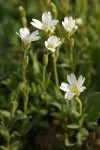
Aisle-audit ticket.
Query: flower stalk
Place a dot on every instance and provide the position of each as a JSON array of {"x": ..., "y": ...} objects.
[
  {"x": 47, "y": 24},
  {"x": 80, "y": 104},
  {"x": 45, "y": 63},
  {"x": 24, "y": 84},
  {"x": 55, "y": 72},
  {"x": 71, "y": 41}
]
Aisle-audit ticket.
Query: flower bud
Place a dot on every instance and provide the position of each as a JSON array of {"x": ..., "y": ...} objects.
[
  {"x": 72, "y": 42},
  {"x": 79, "y": 22},
  {"x": 45, "y": 59},
  {"x": 47, "y": 1},
  {"x": 24, "y": 21},
  {"x": 22, "y": 11},
  {"x": 53, "y": 9},
  {"x": 23, "y": 16}
]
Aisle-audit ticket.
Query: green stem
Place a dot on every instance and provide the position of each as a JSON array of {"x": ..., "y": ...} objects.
[
  {"x": 24, "y": 68},
  {"x": 43, "y": 78},
  {"x": 55, "y": 73},
  {"x": 45, "y": 63},
  {"x": 8, "y": 145},
  {"x": 25, "y": 90},
  {"x": 71, "y": 56},
  {"x": 80, "y": 104},
  {"x": 25, "y": 105},
  {"x": 71, "y": 42}
]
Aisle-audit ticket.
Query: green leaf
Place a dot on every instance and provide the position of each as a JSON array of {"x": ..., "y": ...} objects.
[
  {"x": 4, "y": 132},
  {"x": 85, "y": 71},
  {"x": 15, "y": 145},
  {"x": 73, "y": 126},
  {"x": 56, "y": 115},
  {"x": 92, "y": 107},
  {"x": 84, "y": 132},
  {"x": 68, "y": 143},
  {"x": 55, "y": 104},
  {"x": 1, "y": 116},
  {"x": 81, "y": 135},
  {"x": 48, "y": 79},
  {"x": 43, "y": 112},
  {"x": 79, "y": 138},
  {"x": 3, "y": 148},
  {"x": 5, "y": 114},
  {"x": 20, "y": 115},
  {"x": 75, "y": 113}
]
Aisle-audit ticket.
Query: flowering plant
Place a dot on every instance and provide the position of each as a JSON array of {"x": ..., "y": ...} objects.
[
  {"x": 38, "y": 108},
  {"x": 47, "y": 24},
  {"x": 26, "y": 37},
  {"x": 52, "y": 43},
  {"x": 74, "y": 88}
]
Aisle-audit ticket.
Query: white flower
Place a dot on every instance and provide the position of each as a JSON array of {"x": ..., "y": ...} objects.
[
  {"x": 52, "y": 43},
  {"x": 79, "y": 21},
  {"x": 26, "y": 37},
  {"x": 47, "y": 23},
  {"x": 69, "y": 24},
  {"x": 74, "y": 87}
]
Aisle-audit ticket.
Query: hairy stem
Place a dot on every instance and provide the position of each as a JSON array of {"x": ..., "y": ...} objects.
[
  {"x": 80, "y": 104},
  {"x": 55, "y": 73}
]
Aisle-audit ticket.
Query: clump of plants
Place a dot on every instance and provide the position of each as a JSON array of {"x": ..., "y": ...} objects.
[{"x": 51, "y": 102}]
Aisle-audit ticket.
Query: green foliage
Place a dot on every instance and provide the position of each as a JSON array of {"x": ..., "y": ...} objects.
[
  {"x": 29, "y": 106},
  {"x": 92, "y": 108}
]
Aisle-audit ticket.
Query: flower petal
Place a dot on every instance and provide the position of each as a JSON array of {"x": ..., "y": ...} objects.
[
  {"x": 80, "y": 81},
  {"x": 69, "y": 95},
  {"x": 24, "y": 31},
  {"x": 53, "y": 22},
  {"x": 58, "y": 42},
  {"x": 34, "y": 37},
  {"x": 52, "y": 49},
  {"x": 82, "y": 88},
  {"x": 36, "y": 23},
  {"x": 72, "y": 80},
  {"x": 46, "y": 17},
  {"x": 64, "y": 87},
  {"x": 18, "y": 34}
]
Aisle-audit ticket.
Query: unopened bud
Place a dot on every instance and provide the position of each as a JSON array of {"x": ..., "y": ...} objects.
[
  {"x": 24, "y": 21},
  {"x": 72, "y": 42},
  {"x": 53, "y": 9},
  {"x": 79, "y": 22},
  {"x": 23, "y": 16},
  {"x": 22, "y": 11},
  {"x": 47, "y": 1},
  {"x": 45, "y": 59}
]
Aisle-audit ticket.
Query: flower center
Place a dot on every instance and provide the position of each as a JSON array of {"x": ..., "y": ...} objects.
[
  {"x": 51, "y": 45},
  {"x": 76, "y": 90},
  {"x": 45, "y": 26}
]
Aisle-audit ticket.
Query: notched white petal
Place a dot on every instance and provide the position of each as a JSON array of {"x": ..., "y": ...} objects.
[
  {"x": 69, "y": 95},
  {"x": 36, "y": 23},
  {"x": 74, "y": 87}
]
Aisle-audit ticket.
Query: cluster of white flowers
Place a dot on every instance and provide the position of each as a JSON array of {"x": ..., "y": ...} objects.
[
  {"x": 74, "y": 88},
  {"x": 48, "y": 25}
]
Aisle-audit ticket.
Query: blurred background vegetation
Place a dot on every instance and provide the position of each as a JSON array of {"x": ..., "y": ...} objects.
[{"x": 86, "y": 50}]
